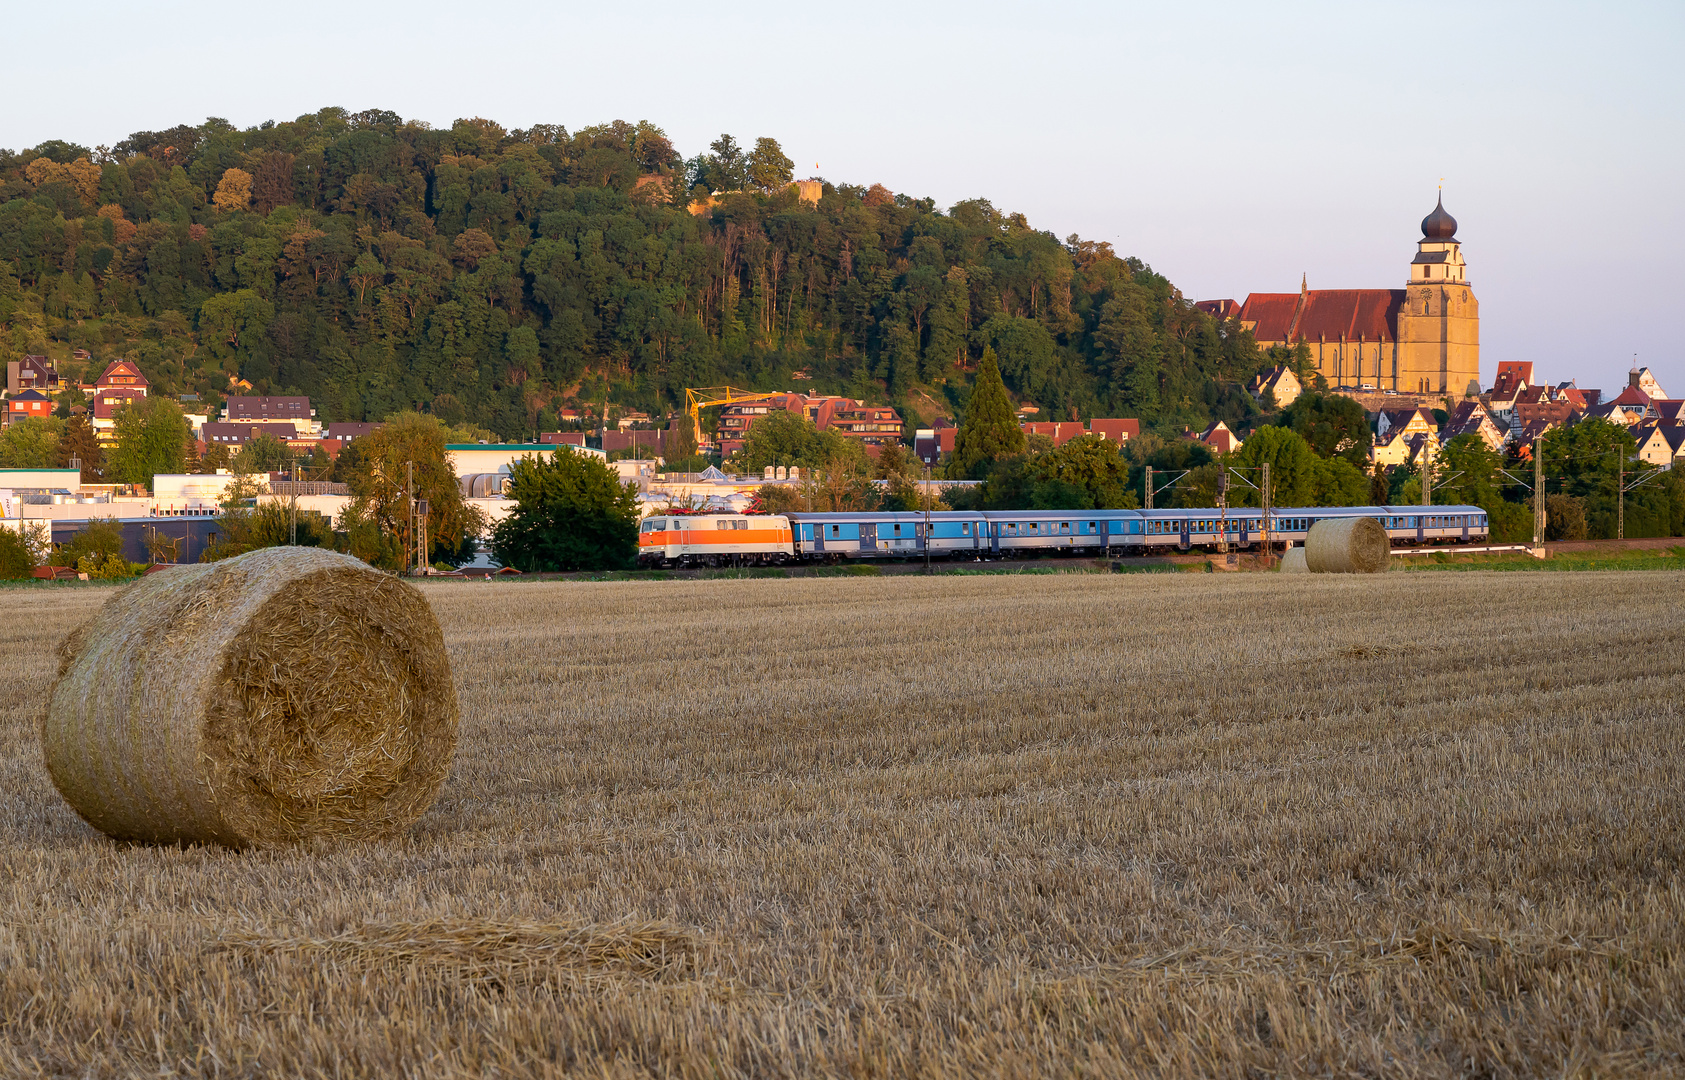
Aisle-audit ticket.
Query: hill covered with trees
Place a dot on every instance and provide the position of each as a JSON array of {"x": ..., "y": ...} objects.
[{"x": 490, "y": 276}]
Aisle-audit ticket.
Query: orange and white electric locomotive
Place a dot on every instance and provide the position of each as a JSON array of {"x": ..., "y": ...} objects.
[{"x": 715, "y": 540}]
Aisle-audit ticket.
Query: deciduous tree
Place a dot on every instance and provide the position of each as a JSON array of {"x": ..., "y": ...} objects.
[
  {"x": 150, "y": 433},
  {"x": 31, "y": 443},
  {"x": 571, "y": 513},
  {"x": 233, "y": 191},
  {"x": 1333, "y": 425},
  {"x": 377, "y": 465}
]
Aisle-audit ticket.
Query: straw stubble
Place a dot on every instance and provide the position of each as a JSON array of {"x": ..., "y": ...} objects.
[{"x": 1175, "y": 825}]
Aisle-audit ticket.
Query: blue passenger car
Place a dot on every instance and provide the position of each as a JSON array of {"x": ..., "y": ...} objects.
[
  {"x": 1086, "y": 532},
  {"x": 832, "y": 536}
]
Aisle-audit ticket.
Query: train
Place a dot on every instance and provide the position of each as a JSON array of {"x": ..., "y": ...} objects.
[{"x": 726, "y": 539}]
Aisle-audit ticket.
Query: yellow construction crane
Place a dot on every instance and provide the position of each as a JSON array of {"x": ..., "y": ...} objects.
[{"x": 698, "y": 399}]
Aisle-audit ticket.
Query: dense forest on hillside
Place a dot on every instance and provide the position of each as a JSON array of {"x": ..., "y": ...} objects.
[{"x": 489, "y": 276}]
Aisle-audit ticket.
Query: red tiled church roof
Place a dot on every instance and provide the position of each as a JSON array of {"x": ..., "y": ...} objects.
[
  {"x": 1355, "y": 314},
  {"x": 1271, "y": 313},
  {"x": 1324, "y": 315}
]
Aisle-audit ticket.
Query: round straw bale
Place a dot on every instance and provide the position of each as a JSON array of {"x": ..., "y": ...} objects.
[
  {"x": 281, "y": 696},
  {"x": 1293, "y": 561},
  {"x": 1354, "y": 545}
]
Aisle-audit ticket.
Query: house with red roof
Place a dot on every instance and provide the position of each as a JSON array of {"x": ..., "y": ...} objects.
[
  {"x": 1061, "y": 433},
  {"x": 1634, "y": 402},
  {"x": 106, "y": 401},
  {"x": 1118, "y": 429},
  {"x": 121, "y": 375},
  {"x": 1513, "y": 377},
  {"x": 1218, "y": 437},
  {"x": 1527, "y": 417}
]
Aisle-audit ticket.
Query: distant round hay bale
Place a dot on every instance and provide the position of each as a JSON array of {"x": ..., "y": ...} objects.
[
  {"x": 1354, "y": 545},
  {"x": 1293, "y": 562},
  {"x": 281, "y": 696}
]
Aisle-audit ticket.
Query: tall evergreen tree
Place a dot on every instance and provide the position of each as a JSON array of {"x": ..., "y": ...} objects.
[
  {"x": 80, "y": 443},
  {"x": 990, "y": 430}
]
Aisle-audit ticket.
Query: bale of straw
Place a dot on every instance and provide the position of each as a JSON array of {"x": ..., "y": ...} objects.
[
  {"x": 1293, "y": 562},
  {"x": 282, "y": 696},
  {"x": 1354, "y": 545}
]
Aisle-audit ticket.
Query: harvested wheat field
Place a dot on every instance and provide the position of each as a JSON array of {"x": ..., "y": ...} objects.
[{"x": 1414, "y": 825}]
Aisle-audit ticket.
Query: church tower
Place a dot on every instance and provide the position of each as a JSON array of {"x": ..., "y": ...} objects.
[{"x": 1439, "y": 319}]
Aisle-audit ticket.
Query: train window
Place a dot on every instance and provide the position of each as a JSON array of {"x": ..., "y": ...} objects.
[
  {"x": 744, "y": 524},
  {"x": 897, "y": 530},
  {"x": 1064, "y": 527},
  {"x": 836, "y": 530},
  {"x": 965, "y": 528}
]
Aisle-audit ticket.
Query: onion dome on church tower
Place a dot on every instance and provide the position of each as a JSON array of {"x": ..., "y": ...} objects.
[{"x": 1439, "y": 225}]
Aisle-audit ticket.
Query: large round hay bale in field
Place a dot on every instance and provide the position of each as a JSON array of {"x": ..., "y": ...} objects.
[
  {"x": 1354, "y": 545},
  {"x": 284, "y": 695},
  {"x": 1293, "y": 562}
]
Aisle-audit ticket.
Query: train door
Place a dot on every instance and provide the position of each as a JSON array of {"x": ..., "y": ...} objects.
[
  {"x": 1465, "y": 518},
  {"x": 1184, "y": 542},
  {"x": 817, "y": 536},
  {"x": 869, "y": 537},
  {"x": 1421, "y": 527}
]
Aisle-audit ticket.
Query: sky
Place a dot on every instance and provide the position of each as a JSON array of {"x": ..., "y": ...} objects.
[{"x": 1234, "y": 147}]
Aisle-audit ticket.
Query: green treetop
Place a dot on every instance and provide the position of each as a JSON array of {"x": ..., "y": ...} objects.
[
  {"x": 151, "y": 433},
  {"x": 1335, "y": 426},
  {"x": 571, "y": 513}
]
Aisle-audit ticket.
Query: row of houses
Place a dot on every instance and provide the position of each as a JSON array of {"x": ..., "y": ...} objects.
[
  {"x": 33, "y": 385},
  {"x": 1517, "y": 411},
  {"x": 871, "y": 425}
]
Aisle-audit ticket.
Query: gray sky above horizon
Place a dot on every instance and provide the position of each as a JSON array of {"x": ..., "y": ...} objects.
[{"x": 1232, "y": 146}]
